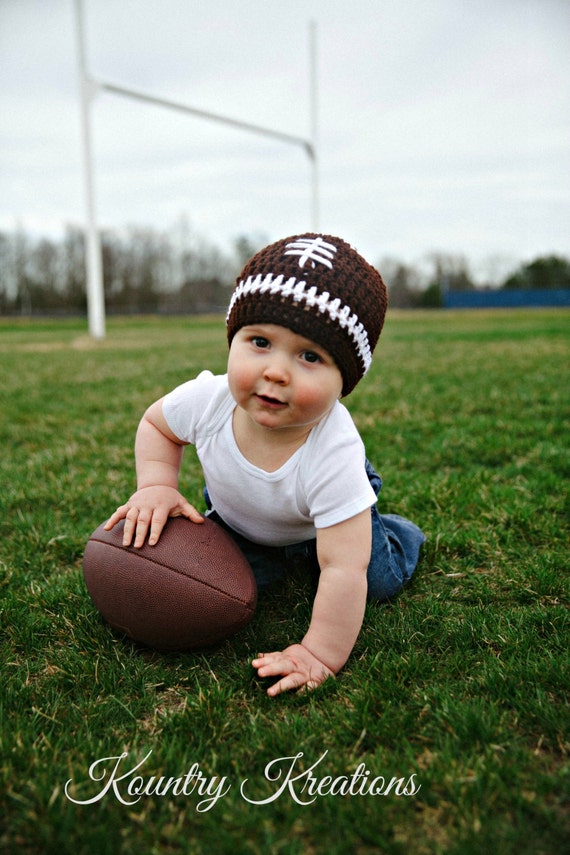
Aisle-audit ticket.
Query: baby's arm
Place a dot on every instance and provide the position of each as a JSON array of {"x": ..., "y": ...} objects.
[
  {"x": 158, "y": 454},
  {"x": 344, "y": 553}
]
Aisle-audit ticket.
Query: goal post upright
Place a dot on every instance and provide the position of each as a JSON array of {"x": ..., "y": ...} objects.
[
  {"x": 93, "y": 256},
  {"x": 88, "y": 89},
  {"x": 313, "y": 107}
]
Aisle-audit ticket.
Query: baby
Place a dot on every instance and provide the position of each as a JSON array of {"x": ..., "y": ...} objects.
[{"x": 285, "y": 468}]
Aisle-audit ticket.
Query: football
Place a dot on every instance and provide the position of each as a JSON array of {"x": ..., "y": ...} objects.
[{"x": 191, "y": 590}]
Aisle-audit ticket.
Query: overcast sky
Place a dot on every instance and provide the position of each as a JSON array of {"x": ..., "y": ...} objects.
[{"x": 443, "y": 125}]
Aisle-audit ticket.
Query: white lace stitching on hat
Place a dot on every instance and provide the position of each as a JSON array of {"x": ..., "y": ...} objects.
[{"x": 316, "y": 250}]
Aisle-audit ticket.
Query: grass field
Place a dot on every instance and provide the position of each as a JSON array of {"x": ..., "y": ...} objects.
[{"x": 461, "y": 682}]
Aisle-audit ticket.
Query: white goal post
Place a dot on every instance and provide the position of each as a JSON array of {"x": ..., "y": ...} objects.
[{"x": 89, "y": 88}]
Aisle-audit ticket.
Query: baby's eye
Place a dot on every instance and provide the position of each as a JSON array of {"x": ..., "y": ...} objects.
[
  {"x": 260, "y": 341},
  {"x": 310, "y": 356}
]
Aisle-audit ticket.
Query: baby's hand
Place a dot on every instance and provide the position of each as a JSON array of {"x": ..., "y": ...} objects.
[
  {"x": 297, "y": 665},
  {"x": 147, "y": 512}
]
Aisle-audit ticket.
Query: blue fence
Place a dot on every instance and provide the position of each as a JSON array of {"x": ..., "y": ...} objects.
[{"x": 515, "y": 298}]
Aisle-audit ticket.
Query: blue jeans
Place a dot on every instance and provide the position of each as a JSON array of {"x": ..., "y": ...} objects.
[{"x": 396, "y": 544}]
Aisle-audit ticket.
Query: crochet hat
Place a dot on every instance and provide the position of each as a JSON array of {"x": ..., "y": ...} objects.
[{"x": 319, "y": 287}]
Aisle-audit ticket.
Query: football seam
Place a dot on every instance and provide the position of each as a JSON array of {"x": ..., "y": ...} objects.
[{"x": 174, "y": 570}]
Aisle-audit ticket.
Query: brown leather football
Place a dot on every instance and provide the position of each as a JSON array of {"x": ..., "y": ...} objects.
[{"x": 191, "y": 590}]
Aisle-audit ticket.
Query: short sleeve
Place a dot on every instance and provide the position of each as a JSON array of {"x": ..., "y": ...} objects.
[
  {"x": 337, "y": 488},
  {"x": 197, "y": 406}
]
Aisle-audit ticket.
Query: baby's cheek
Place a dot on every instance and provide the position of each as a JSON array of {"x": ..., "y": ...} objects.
[
  {"x": 239, "y": 381},
  {"x": 312, "y": 399}
]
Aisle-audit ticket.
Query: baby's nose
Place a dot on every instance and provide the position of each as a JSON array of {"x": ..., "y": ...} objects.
[{"x": 276, "y": 370}]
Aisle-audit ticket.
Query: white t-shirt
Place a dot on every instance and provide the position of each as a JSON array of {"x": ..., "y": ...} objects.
[{"x": 323, "y": 483}]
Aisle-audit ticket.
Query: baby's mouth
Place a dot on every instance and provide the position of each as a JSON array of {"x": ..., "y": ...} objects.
[{"x": 271, "y": 402}]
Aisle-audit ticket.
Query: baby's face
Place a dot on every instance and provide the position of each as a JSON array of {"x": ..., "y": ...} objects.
[{"x": 281, "y": 379}]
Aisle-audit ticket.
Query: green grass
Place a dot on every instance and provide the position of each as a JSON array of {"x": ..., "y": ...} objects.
[{"x": 461, "y": 681}]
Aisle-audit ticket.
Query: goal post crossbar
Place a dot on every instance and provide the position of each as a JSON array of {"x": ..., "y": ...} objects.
[{"x": 205, "y": 114}]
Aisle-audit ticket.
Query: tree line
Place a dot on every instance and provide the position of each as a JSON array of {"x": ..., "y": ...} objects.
[
  {"x": 144, "y": 271},
  {"x": 148, "y": 271}
]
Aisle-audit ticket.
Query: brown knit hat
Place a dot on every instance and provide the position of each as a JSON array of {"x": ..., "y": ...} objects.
[{"x": 319, "y": 287}]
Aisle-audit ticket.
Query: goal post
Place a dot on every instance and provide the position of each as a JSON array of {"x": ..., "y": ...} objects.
[{"x": 89, "y": 88}]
